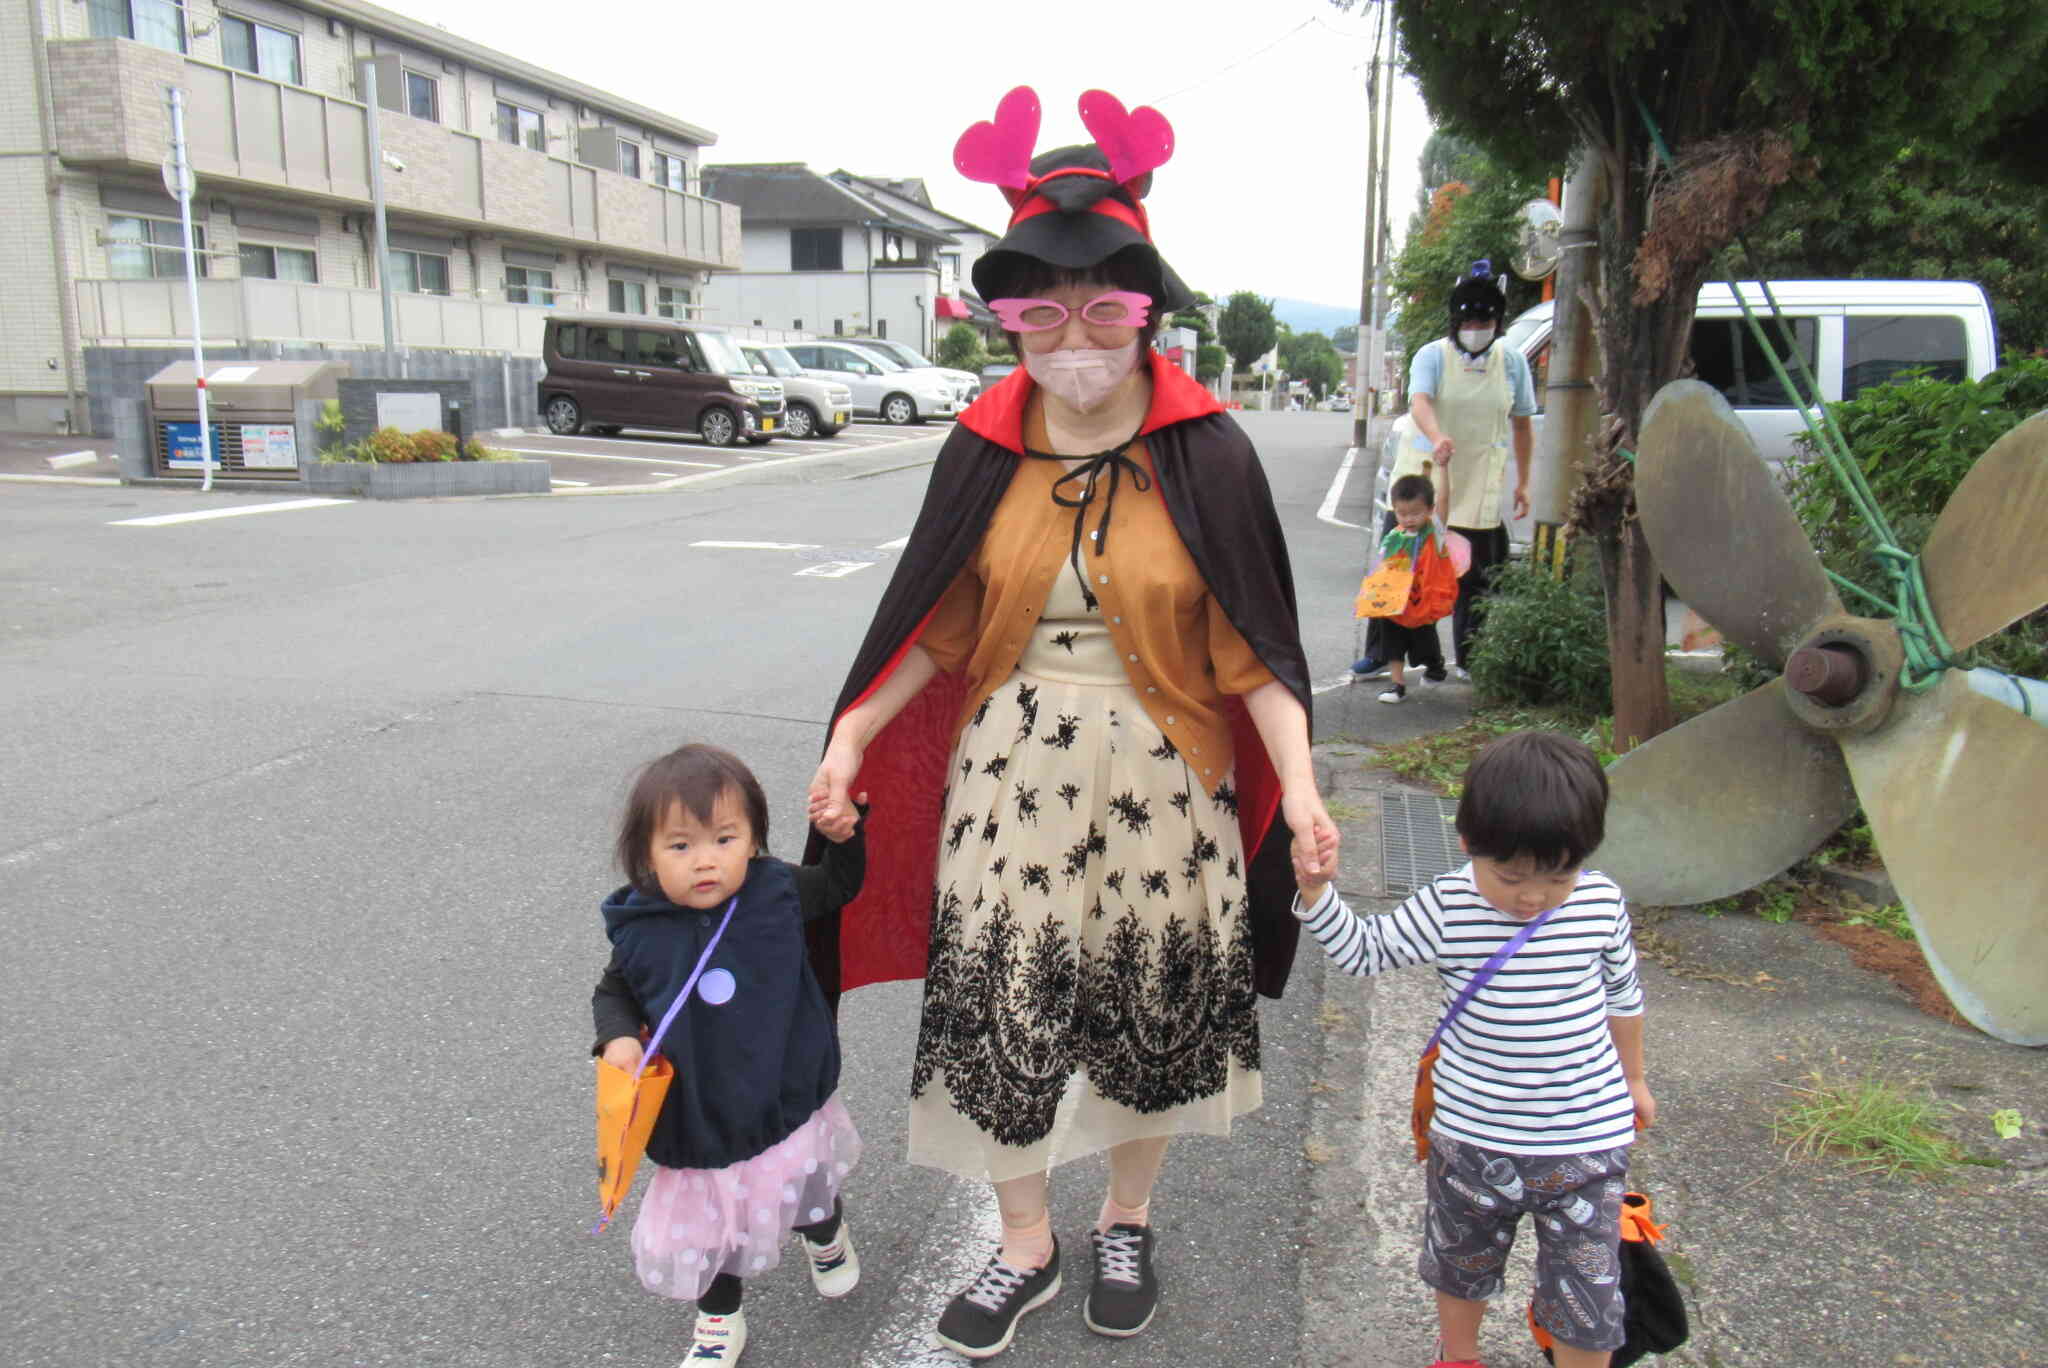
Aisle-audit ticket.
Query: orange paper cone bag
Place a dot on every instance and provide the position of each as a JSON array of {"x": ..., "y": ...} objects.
[
  {"x": 626, "y": 1109},
  {"x": 1385, "y": 591}
]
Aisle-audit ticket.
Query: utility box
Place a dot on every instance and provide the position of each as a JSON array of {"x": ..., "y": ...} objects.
[{"x": 252, "y": 410}]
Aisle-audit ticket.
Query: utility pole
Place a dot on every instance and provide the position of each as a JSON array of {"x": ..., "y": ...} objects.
[
  {"x": 1385, "y": 255},
  {"x": 1368, "y": 293},
  {"x": 178, "y": 179},
  {"x": 370, "y": 99}
]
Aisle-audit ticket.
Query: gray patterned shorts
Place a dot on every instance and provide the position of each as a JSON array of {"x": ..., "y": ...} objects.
[{"x": 1476, "y": 1198}]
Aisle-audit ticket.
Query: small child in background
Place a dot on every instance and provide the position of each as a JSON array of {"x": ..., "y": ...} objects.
[
  {"x": 1539, "y": 1084},
  {"x": 1414, "y": 505},
  {"x": 751, "y": 1141}
]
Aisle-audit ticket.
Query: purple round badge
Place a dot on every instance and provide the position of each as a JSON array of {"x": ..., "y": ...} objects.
[{"x": 716, "y": 987}]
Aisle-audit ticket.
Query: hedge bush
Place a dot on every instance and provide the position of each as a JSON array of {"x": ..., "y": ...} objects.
[
  {"x": 1916, "y": 439},
  {"x": 1545, "y": 639}
]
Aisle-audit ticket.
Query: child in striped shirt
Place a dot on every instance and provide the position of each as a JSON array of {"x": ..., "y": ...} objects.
[{"x": 1539, "y": 1081}]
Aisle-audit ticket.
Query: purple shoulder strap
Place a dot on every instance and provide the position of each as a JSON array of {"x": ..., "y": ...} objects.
[
  {"x": 654, "y": 1041},
  {"x": 1487, "y": 971}
]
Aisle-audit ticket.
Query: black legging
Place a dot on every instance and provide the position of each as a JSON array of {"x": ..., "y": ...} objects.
[
  {"x": 722, "y": 1298},
  {"x": 1489, "y": 550}
]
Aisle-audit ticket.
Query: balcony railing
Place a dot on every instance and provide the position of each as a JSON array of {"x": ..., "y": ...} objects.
[
  {"x": 239, "y": 312},
  {"x": 248, "y": 130}
]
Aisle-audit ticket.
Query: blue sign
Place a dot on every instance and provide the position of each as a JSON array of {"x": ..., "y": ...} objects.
[{"x": 181, "y": 446}]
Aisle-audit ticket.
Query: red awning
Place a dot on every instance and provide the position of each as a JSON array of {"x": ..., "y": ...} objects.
[{"x": 944, "y": 306}]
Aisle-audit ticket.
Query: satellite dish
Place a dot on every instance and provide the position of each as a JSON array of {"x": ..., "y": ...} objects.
[{"x": 1537, "y": 249}]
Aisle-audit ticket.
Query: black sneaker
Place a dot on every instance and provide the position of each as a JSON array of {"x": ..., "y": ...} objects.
[
  {"x": 1436, "y": 674},
  {"x": 1126, "y": 1291},
  {"x": 982, "y": 1320}
]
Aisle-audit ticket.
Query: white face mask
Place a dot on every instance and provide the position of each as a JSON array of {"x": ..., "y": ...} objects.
[
  {"x": 1083, "y": 376},
  {"x": 1477, "y": 339}
]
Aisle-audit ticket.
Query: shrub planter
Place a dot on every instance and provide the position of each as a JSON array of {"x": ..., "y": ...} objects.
[{"x": 426, "y": 479}]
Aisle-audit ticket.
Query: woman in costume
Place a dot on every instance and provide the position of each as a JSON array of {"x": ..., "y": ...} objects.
[{"x": 1083, "y": 710}]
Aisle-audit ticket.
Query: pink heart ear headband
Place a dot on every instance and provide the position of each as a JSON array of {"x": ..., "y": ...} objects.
[{"x": 1134, "y": 142}]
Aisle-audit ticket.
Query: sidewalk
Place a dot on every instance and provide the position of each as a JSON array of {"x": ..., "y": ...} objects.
[
  {"x": 1800, "y": 1263},
  {"x": 25, "y": 455}
]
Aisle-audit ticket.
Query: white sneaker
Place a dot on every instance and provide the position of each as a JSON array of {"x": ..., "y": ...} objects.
[
  {"x": 835, "y": 1267},
  {"x": 719, "y": 1340},
  {"x": 1395, "y": 693},
  {"x": 1460, "y": 672}
]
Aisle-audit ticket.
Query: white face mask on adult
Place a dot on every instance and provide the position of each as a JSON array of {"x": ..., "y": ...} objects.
[
  {"x": 1476, "y": 340},
  {"x": 1083, "y": 376}
]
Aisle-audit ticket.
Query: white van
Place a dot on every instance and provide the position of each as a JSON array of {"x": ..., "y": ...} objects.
[{"x": 1853, "y": 333}]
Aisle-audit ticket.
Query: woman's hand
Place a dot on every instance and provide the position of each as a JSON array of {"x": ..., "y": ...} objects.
[
  {"x": 1315, "y": 835},
  {"x": 623, "y": 1053},
  {"x": 831, "y": 802}
]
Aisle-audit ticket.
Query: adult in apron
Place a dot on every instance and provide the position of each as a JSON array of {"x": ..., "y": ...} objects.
[{"x": 1471, "y": 399}]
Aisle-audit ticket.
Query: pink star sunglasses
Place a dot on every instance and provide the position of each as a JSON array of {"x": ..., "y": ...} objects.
[{"x": 1114, "y": 309}]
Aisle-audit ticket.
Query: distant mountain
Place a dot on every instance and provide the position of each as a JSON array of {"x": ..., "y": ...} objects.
[{"x": 1303, "y": 316}]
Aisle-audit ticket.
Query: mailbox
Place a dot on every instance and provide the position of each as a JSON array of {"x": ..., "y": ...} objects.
[{"x": 251, "y": 409}]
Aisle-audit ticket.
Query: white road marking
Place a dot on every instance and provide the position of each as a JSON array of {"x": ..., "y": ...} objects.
[
  {"x": 607, "y": 456},
  {"x": 1327, "y": 512},
  {"x": 283, "y": 506},
  {"x": 754, "y": 546},
  {"x": 834, "y": 569},
  {"x": 1341, "y": 682},
  {"x": 579, "y": 484},
  {"x": 61, "y": 479},
  {"x": 896, "y": 545},
  {"x": 967, "y": 1228}
]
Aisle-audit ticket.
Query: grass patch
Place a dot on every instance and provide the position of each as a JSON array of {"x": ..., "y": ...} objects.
[
  {"x": 1439, "y": 761},
  {"x": 1890, "y": 918},
  {"x": 1869, "y": 1125}
]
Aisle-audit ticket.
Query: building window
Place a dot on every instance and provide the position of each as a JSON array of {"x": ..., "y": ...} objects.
[
  {"x": 629, "y": 159},
  {"x": 628, "y": 296},
  {"x": 882, "y": 330},
  {"x": 422, "y": 97},
  {"x": 159, "y": 23},
  {"x": 248, "y": 46},
  {"x": 839, "y": 327},
  {"x": 522, "y": 126},
  {"x": 260, "y": 262},
  {"x": 814, "y": 249},
  {"x": 145, "y": 248},
  {"x": 418, "y": 272},
  {"x": 529, "y": 285},
  {"x": 797, "y": 326},
  {"x": 673, "y": 172},
  {"x": 892, "y": 246},
  {"x": 673, "y": 301}
]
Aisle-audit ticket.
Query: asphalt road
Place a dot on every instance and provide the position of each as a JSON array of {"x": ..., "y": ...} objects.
[
  {"x": 307, "y": 816},
  {"x": 638, "y": 456}
]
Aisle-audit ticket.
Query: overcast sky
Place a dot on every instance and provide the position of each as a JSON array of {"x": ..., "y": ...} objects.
[{"x": 1266, "y": 190}]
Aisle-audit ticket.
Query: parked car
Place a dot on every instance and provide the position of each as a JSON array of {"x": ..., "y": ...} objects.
[
  {"x": 994, "y": 372},
  {"x": 966, "y": 384},
  {"x": 608, "y": 371},
  {"x": 879, "y": 385},
  {"x": 811, "y": 407},
  {"x": 1340, "y": 403},
  {"x": 1854, "y": 334}
]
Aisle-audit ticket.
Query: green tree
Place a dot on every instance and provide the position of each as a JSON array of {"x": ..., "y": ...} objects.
[
  {"x": 1312, "y": 357},
  {"x": 1924, "y": 216},
  {"x": 1193, "y": 317},
  {"x": 1345, "y": 339},
  {"x": 1247, "y": 328},
  {"x": 961, "y": 349},
  {"x": 1748, "y": 95},
  {"x": 1477, "y": 220},
  {"x": 1209, "y": 364}
]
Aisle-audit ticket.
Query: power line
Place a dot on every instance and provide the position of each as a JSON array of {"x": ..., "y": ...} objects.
[{"x": 1312, "y": 19}]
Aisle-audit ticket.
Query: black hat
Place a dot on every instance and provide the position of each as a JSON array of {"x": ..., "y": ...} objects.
[
  {"x": 1073, "y": 207},
  {"x": 1479, "y": 294}
]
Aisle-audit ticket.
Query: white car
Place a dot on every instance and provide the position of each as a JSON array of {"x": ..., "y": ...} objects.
[
  {"x": 813, "y": 407},
  {"x": 879, "y": 385},
  {"x": 966, "y": 384}
]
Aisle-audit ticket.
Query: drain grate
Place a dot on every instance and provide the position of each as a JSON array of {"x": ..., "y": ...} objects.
[{"x": 1418, "y": 840}]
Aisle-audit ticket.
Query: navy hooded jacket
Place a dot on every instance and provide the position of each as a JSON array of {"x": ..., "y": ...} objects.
[{"x": 753, "y": 1069}]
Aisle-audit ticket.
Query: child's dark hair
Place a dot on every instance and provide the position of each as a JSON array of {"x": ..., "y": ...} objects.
[
  {"x": 695, "y": 776},
  {"x": 1534, "y": 793},
  {"x": 1411, "y": 488}
]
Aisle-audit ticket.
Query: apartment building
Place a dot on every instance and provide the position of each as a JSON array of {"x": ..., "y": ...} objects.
[
  {"x": 509, "y": 189},
  {"x": 836, "y": 254}
]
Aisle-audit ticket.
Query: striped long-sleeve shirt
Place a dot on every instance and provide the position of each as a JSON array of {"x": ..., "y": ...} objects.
[{"x": 1529, "y": 1066}]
